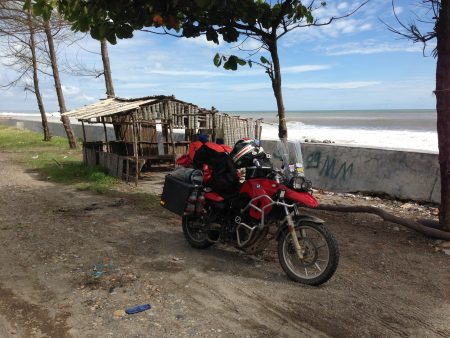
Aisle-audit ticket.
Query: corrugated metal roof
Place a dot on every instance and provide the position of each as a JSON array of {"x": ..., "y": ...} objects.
[{"x": 110, "y": 106}]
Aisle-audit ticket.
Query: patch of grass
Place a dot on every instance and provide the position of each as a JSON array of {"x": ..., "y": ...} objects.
[
  {"x": 54, "y": 160},
  {"x": 83, "y": 177},
  {"x": 17, "y": 140}
]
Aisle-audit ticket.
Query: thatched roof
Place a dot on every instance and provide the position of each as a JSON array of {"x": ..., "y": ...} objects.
[{"x": 119, "y": 106}]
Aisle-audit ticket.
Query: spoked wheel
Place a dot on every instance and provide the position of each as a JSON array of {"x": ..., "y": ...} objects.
[
  {"x": 194, "y": 231},
  {"x": 320, "y": 254}
]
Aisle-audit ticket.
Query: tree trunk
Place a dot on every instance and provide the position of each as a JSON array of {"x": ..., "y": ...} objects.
[
  {"x": 62, "y": 105},
  {"x": 37, "y": 92},
  {"x": 276, "y": 86},
  {"x": 107, "y": 69},
  {"x": 443, "y": 109}
]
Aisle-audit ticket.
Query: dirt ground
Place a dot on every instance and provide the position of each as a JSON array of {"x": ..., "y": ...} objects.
[{"x": 72, "y": 261}]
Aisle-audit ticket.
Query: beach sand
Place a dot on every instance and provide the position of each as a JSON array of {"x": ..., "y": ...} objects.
[{"x": 72, "y": 260}]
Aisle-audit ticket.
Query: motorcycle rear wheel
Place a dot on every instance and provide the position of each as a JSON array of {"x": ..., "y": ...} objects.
[
  {"x": 194, "y": 234},
  {"x": 321, "y": 254}
]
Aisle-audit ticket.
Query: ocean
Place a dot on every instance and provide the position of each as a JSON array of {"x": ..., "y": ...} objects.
[{"x": 413, "y": 129}]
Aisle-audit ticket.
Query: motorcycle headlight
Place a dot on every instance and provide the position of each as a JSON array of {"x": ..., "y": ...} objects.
[{"x": 299, "y": 183}]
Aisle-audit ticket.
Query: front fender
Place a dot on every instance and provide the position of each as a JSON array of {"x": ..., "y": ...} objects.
[
  {"x": 303, "y": 198},
  {"x": 298, "y": 220}
]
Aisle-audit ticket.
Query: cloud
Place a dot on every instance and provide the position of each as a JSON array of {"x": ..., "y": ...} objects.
[
  {"x": 251, "y": 44},
  {"x": 250, "y": 86},
  {"x": 310, "y": 85},
  {"x": 303, "y": 68},
  {"x": 347, "y": 26},
  {"x": 398, "y": 10},
  {"x": 335, "y": 30},
  {"x": 332, "y": 85},
  {"x": 70, "y": 90},
  {"x": 136, "y": 85},
  {"x": 342, "y": 6},
  {"x": 11, "y": 92},
  {"x": 215, "y": 72},
  {"x": 197, "y": 85},
  {"x": 158, "y": 56},
  {"x": 365, "y": 19},
  {"x": 370, "y": 47},
  {"x": 85, "y": 97},
  {"x": 185, "y": 72}
]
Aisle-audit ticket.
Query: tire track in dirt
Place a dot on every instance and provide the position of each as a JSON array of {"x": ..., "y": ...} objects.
[
  {"x": 32, "y": 319},
  {"x": 242, "y": 304}
]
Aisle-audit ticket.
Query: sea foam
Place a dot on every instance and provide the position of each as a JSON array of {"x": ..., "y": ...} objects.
[{"x": 385, "y": 138}]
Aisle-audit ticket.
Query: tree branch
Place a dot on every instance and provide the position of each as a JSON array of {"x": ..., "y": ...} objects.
[{"x": 386, "y": 216}]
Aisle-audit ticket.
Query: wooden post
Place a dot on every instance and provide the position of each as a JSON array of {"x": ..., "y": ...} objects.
[
  {"x": 84, "y": 143},
  {"x": 172, "y": 140},
  {"x": 165, "y": 135},
  {"x": 106, "y": 134},
  {"x": 213, "y": 116},
  {"x": 135, "y": 150},
  {"x": 84, "y": 132}
]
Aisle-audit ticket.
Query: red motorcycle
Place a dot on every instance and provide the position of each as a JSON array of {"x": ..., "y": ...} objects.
[{"x": 267, "y": 205}]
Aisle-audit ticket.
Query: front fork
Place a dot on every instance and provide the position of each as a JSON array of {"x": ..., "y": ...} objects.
[{"x": 291, "y": 230}]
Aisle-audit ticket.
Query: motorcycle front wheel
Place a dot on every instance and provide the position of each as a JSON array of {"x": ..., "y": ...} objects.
[
  {"x": 320, "y": 253},
  {"x": 193, "y": 230}
]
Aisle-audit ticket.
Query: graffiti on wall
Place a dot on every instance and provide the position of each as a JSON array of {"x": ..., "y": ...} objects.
[{"x": 329, "y": 166}]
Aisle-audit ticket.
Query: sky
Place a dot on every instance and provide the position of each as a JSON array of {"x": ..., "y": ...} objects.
[{"x": 354, "y": 63}]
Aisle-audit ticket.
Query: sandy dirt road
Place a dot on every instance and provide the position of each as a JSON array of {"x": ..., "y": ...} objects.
[{"x": 70, "y": 260}]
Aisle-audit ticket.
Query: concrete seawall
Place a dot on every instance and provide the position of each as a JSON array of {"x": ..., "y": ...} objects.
[
  {"x": 93, "y": 132},
  {"x": 401, "y": 174}
]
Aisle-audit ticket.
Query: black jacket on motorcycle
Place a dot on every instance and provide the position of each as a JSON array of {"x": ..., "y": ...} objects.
[{"x": 224, "y": 180}]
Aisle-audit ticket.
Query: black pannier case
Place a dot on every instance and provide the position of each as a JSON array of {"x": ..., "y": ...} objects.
[{"x": 175, "y": 193}]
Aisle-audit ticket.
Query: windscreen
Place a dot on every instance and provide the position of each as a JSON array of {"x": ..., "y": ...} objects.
[{"x": 290, "y": 154}]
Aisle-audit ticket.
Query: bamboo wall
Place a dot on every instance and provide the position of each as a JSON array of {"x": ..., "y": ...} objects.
[{"x": 194, "y": 120}]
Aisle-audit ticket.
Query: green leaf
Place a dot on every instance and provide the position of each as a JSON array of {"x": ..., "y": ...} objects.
[
  {"x": 202, "y": 3},
  {"x": 27, "y": 4},
  {"x": 83, "y": 23},
  {"x": 211, "y": 35},
  {"x": 124, "y": 31},
  {"x": 264, "y": 60},
  {"x": 46, "y": 13},
  {"x": 231, "y": 63},
  {"x": 217, "y": 60},
  {"x": 229, "y": 34},
  {"x": 241, "y": 62},
  {"x": 95, "y": 33},
  {"x": 111, "y": 37},
  {"x": 37, "y": 10}
]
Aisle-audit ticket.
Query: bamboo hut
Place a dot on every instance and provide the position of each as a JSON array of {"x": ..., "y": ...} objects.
[{"x": 145, "y": 131}]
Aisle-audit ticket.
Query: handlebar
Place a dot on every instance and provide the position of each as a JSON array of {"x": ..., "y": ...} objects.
[{"x": 256, "y": 163}]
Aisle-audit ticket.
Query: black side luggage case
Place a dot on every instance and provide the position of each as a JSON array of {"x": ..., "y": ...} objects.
[{"x": 175, "y": 194}]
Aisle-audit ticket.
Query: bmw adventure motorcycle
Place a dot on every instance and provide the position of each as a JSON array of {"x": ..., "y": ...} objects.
[{"x": 268, "y": 205}]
